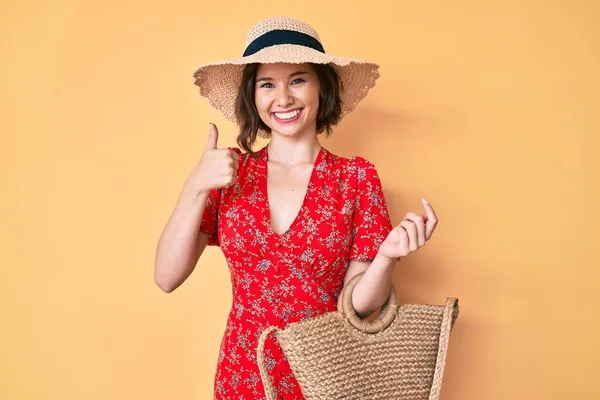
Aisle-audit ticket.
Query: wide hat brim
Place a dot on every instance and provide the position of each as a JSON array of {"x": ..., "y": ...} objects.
[{"x": 219, "y": 82}]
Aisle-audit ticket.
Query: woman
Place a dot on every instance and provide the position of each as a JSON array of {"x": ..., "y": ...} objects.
[{"x": 294, "y": 221}]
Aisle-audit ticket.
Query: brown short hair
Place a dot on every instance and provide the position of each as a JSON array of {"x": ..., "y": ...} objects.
[{"x": 328, "y": 114}]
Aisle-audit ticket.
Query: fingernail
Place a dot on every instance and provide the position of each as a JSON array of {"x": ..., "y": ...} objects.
[{"x": 424, "y": 200}]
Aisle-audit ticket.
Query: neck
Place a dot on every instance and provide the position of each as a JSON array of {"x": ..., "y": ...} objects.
[{"x": 292, "y": 151}]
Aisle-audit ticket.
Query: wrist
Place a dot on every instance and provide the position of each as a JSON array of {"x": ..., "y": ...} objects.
[
  {"x": 388, "y": 250},
  {"x": 193, "y": 190},
  {"x": 387, "y": 258}
]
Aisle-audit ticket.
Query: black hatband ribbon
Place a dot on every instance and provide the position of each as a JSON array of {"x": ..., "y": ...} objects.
[{"x": 276, "y": 37}]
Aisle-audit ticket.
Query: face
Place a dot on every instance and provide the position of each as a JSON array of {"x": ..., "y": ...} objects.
[{"x": 287, "y": 98}]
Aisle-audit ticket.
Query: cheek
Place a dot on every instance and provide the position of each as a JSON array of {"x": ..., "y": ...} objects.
[
  {"x": 311, "y": 97},
  {"x": 262, "y": 103}
]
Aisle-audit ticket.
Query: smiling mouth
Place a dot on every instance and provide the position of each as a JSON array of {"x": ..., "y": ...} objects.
[{"x": 288, "y": 116}]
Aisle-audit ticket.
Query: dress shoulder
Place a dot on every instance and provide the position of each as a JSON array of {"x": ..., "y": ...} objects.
[{"x": 361, "y": 162}]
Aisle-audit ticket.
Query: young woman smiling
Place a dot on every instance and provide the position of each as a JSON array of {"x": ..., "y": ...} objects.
[{"x": 294, "y": 221}]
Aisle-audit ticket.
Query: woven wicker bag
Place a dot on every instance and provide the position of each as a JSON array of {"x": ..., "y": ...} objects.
[{"x": 399, "y": 355}]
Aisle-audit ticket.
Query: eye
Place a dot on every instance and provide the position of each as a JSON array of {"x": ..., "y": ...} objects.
[
  {"x": 264, "y": 85},
  {"x": 298, "y": 79}
]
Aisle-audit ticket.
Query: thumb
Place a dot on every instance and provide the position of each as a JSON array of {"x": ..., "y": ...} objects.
[{"x": 213, "y": 136}]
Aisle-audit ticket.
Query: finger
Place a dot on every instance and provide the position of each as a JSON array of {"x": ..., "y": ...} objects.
[
  {"x": 411, "y": 230},
  {"x": 401, "y": 232},
  {"x": 213, "y": 136},
  {"x": 232, "y": 178},
  {"x": 419, "y": 222},
  {"x": 234, "y": 154},
  {"x": 432, "y": 219}
]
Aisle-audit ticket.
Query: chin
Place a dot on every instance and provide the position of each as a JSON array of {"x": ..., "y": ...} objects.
[{"x": 289, "y": 130}]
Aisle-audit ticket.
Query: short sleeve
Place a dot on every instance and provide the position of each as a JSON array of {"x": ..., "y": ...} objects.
[
  {"x": 210, "y": 218},
  {"x": 371, "y": 221}
]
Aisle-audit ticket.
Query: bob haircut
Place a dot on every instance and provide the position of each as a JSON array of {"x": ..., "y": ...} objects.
[{"x": 328, "y": 114}]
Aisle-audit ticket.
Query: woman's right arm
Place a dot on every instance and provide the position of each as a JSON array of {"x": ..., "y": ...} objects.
[{"x": 181, "y": 243}]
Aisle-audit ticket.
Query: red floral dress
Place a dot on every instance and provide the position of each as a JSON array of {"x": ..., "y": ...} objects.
[{"x": 280, "y": 279}]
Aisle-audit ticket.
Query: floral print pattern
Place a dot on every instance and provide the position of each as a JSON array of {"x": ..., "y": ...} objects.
[{"x": 280, "y": 279}]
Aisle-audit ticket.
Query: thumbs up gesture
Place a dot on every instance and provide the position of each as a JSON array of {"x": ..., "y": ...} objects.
[{"x": 217, "y": 168}]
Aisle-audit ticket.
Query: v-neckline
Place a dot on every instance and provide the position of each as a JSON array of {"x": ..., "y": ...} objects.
[{"x": 265, "y": 188}]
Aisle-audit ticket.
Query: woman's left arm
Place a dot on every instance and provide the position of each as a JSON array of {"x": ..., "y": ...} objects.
[{"x": 373, "y": 288}]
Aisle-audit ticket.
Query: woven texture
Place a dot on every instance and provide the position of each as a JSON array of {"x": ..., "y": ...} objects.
[
  {"x": 400, "y": 355},
  {"x": 219, "y": 81},
  {"x": 285, "y": 23}
]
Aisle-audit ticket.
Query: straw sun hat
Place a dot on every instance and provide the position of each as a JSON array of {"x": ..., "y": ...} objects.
[{"x": 282, "y": 40}]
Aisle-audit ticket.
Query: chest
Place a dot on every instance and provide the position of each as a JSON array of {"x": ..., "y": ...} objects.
[{"x": 286, "y": 192}]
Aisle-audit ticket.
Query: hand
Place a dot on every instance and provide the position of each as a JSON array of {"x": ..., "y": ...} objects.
[
  {"x": 217, "y": 168},
  {"x": 411, "y": 234}
]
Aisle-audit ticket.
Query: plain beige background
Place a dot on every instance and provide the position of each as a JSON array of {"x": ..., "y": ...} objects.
[{"x": 487, "y": 109}]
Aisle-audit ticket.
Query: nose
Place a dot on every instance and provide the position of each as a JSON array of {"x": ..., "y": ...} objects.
[{"x": 284, "y": 97}]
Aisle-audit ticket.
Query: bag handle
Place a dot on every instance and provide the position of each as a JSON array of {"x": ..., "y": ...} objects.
[
  {"x": 264, "y": 375},
  {"x": 449, "y": 318},
  {"x": 388, "y": 313}
]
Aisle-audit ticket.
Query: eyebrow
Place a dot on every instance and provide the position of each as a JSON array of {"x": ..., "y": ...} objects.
[{"x": 291, "y": 75}]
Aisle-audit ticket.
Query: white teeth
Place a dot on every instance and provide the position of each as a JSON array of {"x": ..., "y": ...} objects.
[{"x": 287, "y": 115}]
